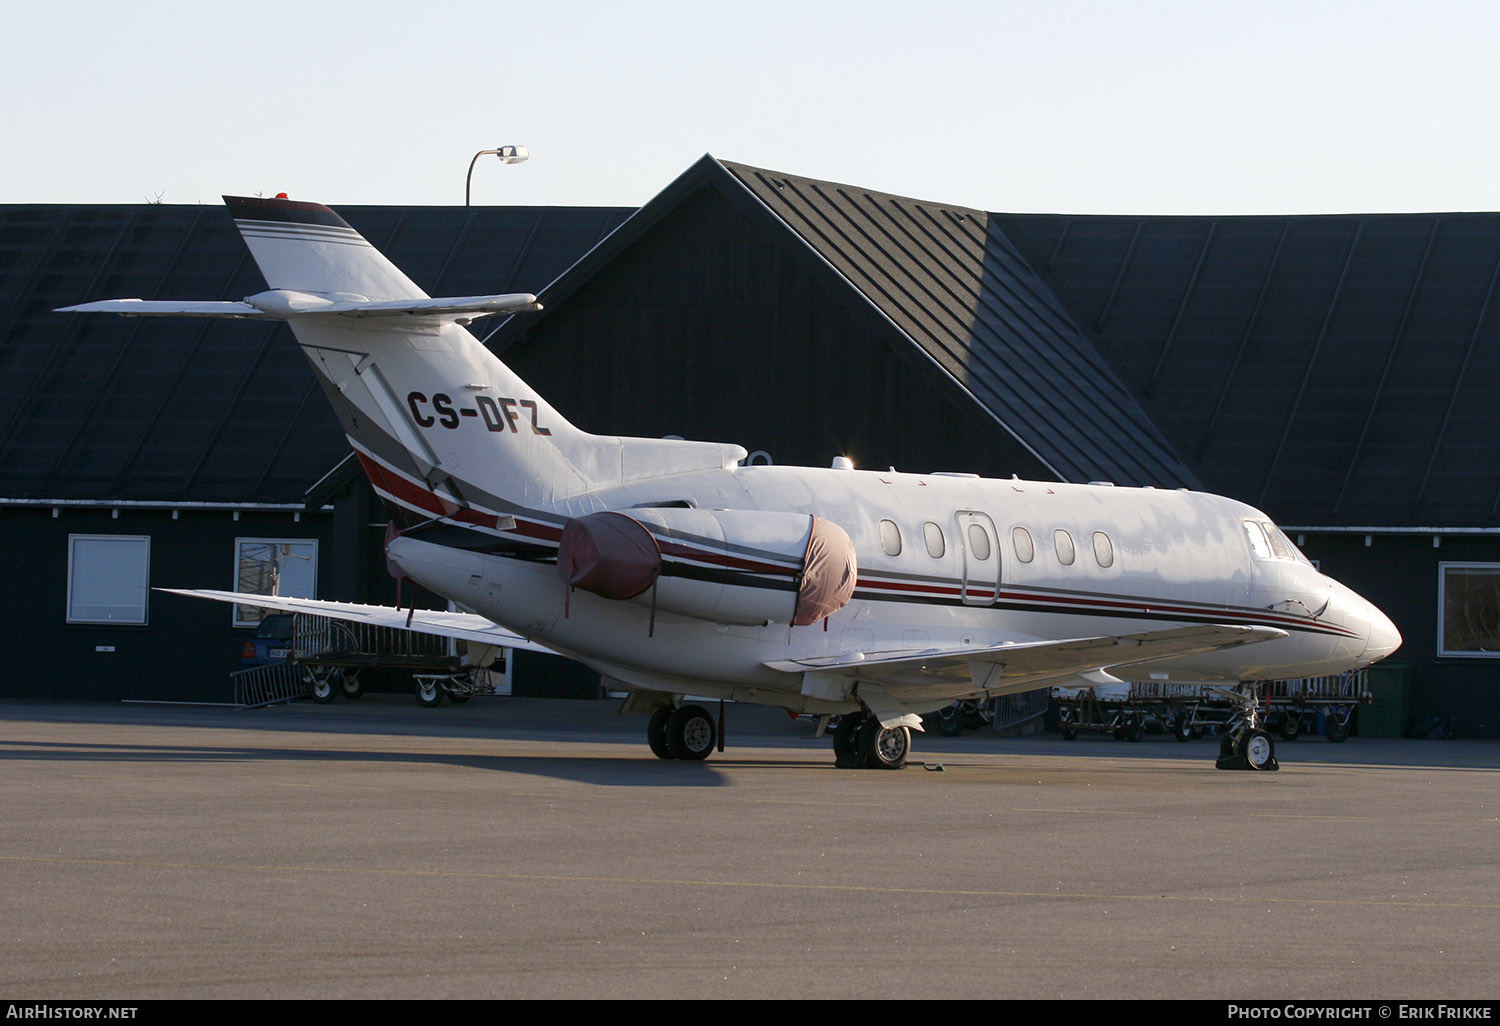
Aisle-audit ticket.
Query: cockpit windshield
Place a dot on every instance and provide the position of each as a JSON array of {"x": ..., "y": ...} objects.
[{"x": 1267, "y": 541}]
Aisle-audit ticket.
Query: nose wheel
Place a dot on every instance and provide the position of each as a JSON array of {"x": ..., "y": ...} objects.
[{"x": 1245, "y": 744}]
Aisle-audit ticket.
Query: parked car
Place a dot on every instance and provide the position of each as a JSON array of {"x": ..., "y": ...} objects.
[{"x": 271, "y": 642}]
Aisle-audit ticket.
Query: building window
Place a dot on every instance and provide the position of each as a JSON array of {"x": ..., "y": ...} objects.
[
  {"x": 273, "y": 566},
  {"x": 109, "y": 578},
  {"x": 1104, "y": 549},
  {"x": 890, "y": 538},
  {"x": 934, "y": 536},
  {"x": 1469, "y": 609},
  {"x": 1020, "y": 539},
  {"x": 1063, "y": 542}
]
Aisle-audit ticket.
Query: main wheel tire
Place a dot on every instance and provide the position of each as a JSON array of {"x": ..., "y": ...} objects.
[
  {"x": 656, "y": 732},
  {"x": 429, "y": 695},
  {"x": 845, "y": 749},
  {"x": 691, "y": 733},
  {"x": 1258, "y": 749},
  {"x": 883, "y": 747}
]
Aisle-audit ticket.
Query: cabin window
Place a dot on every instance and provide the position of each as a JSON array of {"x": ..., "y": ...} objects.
[
  {"x": 979, "y": 542},
  {"x": 109, "y": 578},
  {"x": 1062, "y": 541},
  {"x": 890, "y": 538},
  {"x": 1104, "y": 549},
  {"x": 1469, "y": 610},
  {"x": 1020, "y": 540},
  {"x": 934, "y": 536},
  {"x": 273, "y": 566}
]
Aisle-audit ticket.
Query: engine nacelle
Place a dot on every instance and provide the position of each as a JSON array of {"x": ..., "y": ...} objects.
[{"x": 729, "y": 566}]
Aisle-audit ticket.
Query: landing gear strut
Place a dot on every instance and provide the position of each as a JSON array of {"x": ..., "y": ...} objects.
[{"x": 1246, "y": 744}]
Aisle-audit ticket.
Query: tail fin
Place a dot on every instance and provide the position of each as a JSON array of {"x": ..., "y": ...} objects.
[{"x": 441, "y": 426}]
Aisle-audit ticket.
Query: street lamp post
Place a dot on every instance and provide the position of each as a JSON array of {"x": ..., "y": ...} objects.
[{"x": 507, "y": 155}]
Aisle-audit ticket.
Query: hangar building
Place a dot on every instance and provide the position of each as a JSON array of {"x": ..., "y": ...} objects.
[{"x": 1341, "y": 372}]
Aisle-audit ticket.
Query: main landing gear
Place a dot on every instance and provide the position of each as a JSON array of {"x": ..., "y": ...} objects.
[
  {"x": 687, "y": 733},
  {"x": 1245, "y": 744},
  {"x": 860, "y": 742}
]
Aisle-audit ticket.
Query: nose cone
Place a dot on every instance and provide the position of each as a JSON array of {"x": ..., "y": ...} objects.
[{"x": 1383, "y": 638}]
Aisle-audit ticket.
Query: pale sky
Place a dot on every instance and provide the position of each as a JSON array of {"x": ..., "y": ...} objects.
[{"x": 1079, "y": 106}]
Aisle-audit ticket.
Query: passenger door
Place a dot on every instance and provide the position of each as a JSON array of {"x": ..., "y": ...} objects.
[{"x": 981, "y": 556}]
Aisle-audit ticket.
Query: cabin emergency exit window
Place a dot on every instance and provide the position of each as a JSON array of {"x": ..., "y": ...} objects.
[
  {"x": 1469, "y": 610},
  {"x": 287, "y": 567},
  {"x": 109, "y": 578}
]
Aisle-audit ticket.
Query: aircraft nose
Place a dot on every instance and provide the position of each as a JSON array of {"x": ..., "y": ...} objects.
[{"x": 1383, "y": 638}]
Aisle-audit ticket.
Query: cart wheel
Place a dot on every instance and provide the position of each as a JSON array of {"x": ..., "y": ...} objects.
[
  {"x": 950, "y": 721},
  {"x": 429, "y": 695},
  {"x": 1182, "y": 729},
  {"x": 1336, "y": 729},
  {"x": 351, "y": 686},
  {"x": 324, "y": 686},
  {"x": 1068, "y": 731},
  {"x": 1291, "y": 725}
]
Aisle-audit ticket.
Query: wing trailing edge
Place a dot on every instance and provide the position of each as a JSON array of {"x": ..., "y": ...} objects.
[
  {"x": 287, "y": 304},
  {"x": 460, "y": 626}
]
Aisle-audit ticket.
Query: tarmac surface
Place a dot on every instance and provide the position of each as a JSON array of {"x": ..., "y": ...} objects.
[{"x": 525, "y": 848}]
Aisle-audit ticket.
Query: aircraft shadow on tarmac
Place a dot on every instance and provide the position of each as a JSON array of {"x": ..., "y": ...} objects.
[{"x": 606, "y": 771}]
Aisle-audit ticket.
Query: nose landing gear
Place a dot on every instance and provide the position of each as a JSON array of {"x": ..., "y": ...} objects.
[{"x": 1246, "y": 745}]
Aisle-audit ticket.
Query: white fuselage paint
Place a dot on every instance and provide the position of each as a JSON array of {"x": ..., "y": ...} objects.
[{"x": 1176, "y": 558}]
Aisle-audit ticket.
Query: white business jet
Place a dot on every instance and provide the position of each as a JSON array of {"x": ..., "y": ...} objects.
[{"x": 672, "y": 570}]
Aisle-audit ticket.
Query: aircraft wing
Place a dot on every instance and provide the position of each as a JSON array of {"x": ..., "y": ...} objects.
[
  {"x": 283, "y": 304},
  {"x": 463, "y": 626},
  {"x": 1005, "y": 668}
]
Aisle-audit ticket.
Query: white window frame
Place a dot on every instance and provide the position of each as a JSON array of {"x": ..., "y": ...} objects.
[
  {"x": 251, "y": 616},
  {"x": 1442, "y": 611},
  {"x": 79, "y": 571}
]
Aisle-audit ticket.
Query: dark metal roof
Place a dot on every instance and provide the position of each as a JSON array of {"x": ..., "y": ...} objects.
[
  {"x": 206, "y": 411},
  {"x": 955, "y": 286},
  {"x": 1333, "y": 370}
]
